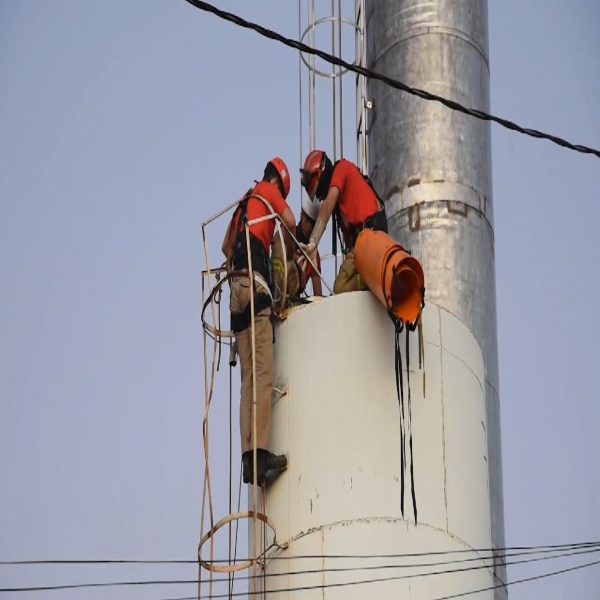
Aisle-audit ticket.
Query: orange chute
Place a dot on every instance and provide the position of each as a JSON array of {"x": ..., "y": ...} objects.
[{"x": 391, "y": 273}]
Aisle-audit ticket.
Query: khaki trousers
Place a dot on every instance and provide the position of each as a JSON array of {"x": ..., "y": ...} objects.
[
  {"x": 348, "y": 278},
  {"x": 263, "y": 339}
]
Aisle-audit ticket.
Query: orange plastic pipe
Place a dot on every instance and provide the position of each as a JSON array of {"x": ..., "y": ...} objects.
[{"x": 391, "y": 273}]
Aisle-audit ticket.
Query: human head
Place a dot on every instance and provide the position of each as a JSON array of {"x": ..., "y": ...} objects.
[
  {"x": 277, "y": 171},
  {"x": 316, "y": 174}
]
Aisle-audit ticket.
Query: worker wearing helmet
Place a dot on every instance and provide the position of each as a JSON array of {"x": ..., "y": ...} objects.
[
  {"x": 265, "y": 197},
  {"x": 342, "y": 188}
]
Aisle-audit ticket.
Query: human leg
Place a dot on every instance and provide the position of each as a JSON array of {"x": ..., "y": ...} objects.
[{"x": 348, "y": 278}]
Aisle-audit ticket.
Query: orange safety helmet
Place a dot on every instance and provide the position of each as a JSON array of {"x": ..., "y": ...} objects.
[
  {"x": 312, "y": 172},
  {"x": 284, "y": 174}
]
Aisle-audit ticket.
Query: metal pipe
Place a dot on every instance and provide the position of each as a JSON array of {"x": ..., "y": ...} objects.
[
  {"x": 433, "y": 169},
  {"x": 216, "y": 216}
]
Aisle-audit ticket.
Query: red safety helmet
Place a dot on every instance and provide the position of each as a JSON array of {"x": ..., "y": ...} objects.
[
  {"x": 314, "y": 165},
  {"x": 284, "y": 174}
]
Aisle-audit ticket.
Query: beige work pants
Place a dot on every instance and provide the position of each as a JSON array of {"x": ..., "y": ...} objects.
[
  {"x": 263, "y": 339},
  {"x": 348, "y": 278}
]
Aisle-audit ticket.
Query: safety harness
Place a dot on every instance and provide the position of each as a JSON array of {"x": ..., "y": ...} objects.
[
  {"x": 377, "y": 222},
  {"x": 261, "y": 265}
]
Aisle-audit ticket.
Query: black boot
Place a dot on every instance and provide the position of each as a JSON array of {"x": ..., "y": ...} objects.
[
  {"x": 269, "y": 465},
  {"x": 247, "y": 470}
]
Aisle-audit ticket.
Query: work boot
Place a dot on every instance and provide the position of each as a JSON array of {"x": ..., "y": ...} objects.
[
  {"x": 247, "y": 470},
  {"x": 269, "y": 466}
]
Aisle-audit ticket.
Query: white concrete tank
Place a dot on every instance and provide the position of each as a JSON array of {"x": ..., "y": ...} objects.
[{"x": 339, "y": 425}]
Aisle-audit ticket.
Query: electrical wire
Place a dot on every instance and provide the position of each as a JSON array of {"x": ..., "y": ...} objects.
[
  {"x": 308, "y": 572},
  {"x": 394, "y": 83},
  {"x": 494, "y": 560},
  {"x": 497, "y": 586},
  {"x": 524, "y": 549},
  {"x": 387, "y": 579},
  {"x": 525, "y": 579}
]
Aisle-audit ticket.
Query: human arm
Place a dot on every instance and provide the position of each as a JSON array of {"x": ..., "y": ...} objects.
[
  {"x": 316, "y": 284},
  {"x": 288, "y": 218},
  {"x": 328, "y": 207},
  {"x": 308, "y": 271}
]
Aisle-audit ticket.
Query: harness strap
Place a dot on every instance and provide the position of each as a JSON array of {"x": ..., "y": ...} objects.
[
  {"x": 261, "y": 261},
  {"x": 262, "y": 299},
  {"x": 376, "y": 222},
  {"x": 421, "y": 350},
  {"x": 388, "y": 299},
  {"x": 241, "y": 321},
  {"x": 410, "y": 444},
  {"x": 400, "y": 393},
  {"x": 405, "y": 415}
]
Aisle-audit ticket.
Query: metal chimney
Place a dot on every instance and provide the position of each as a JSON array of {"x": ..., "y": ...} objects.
[{"x": 433, "y": 168}]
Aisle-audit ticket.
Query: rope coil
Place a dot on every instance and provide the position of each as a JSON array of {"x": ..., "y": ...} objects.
[{"x": 212, "y": 565}]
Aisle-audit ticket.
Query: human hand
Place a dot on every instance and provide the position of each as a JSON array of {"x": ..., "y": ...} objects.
[
  {"x": 310, "y": 249},
  {"x": 301, "y": 262}
]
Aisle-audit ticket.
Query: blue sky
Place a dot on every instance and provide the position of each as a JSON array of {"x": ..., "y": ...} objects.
[{"x": 122, "y": 127}]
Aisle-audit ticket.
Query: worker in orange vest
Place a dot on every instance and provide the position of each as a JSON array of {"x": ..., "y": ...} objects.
[
  {"x": 344, "y": 189},
  {"x": 265, "y": 197}
]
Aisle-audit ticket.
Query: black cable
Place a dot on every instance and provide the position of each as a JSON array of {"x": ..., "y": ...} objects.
[
  {"x": 524, "y": 549},
  {"x": 394, "y": 83},
  {"x": 516, "y": 581},
  {"x": 387, "y": 579},
  {"x": 494, "y": 560},
  {"x": 304, "y": 572},
  {"x": 107, "y": 561}
]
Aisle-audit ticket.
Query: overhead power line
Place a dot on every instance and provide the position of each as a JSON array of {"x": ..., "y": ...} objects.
[
  {"x": 495, "y": 551},
  {"x": 163, "y": 582},
  {"x": 384, "y": 579},
  {"x": 101, "y": 561},
  {"x": 524, "y": 580},
  {"x": 394, "y": 83}
]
